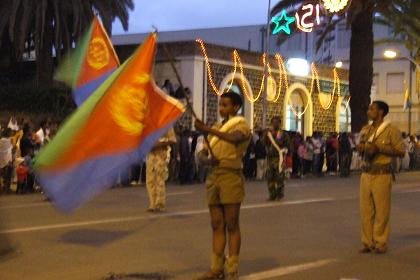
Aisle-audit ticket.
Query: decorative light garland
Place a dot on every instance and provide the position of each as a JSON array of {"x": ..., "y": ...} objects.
[
  {"x": 283, "y": 80},
  {"x": 245, "y": 90}
]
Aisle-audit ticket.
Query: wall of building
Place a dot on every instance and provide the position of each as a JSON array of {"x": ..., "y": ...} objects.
[{"x": 318, "y": 119}]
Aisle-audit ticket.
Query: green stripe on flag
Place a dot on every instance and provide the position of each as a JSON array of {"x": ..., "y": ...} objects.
[
  {"x": 69, "y": 69},
  {"x": 65, "y": 136}
]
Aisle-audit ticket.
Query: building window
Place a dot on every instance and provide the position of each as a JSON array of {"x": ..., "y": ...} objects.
[
  {"x": 343, "y": 37},
  {"x": 375, "y": 84},
  {"x": 394, "y": 83},
  {"x": 295, "y": 119},
  {"x": 345, "y": 117}
]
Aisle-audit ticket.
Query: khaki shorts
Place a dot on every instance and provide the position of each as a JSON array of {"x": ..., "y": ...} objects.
[{"x": 225, "y": 186}]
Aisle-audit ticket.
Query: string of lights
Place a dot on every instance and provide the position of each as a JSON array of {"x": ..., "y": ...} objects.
[{"x": 283, "y": 81}]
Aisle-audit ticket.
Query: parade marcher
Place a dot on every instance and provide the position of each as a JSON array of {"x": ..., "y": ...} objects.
[
  {"x": 157, "y": 172},
  {"x": 277, "y": 147},
  {"x": 225, "y": 184},
  {"x": 379, "y": 143}
]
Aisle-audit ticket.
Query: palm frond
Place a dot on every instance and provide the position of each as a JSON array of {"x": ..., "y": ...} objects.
[
  {"x": 329, "y": 27},
  {"x": 285, "y": 4}
]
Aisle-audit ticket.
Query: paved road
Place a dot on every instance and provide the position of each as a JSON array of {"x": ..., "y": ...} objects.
[{"x": 312, "y": 234}]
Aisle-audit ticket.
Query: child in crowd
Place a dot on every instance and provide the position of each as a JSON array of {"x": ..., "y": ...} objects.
[{"x": 22, "y": 172}]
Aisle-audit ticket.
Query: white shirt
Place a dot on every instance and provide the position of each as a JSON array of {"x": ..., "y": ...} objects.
[
  {"x": 5, "y": 151},
  {"x": 317, "y": 145},
  {"x": 40, "y": 135},
  {"x": 13, "y": 125}
]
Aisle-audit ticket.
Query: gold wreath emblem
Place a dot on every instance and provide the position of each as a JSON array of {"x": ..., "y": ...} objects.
[
  {"x": 98, "y": 53},
  {"x": 335, "y": 5},
  {"x": 129, "y": 107}
]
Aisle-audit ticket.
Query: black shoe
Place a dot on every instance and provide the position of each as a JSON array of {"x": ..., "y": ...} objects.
[
  {"x": 380, "y": 250},
  {"x": 211, "y": 276},
  {"x": 365, "y": 250},
  {"x": 280, "y": 196}
]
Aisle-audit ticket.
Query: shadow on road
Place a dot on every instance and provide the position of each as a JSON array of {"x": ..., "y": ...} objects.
[
  {"x": 93, "y": 237},
  {"x": 7, "y": 249},
  {"x": 139, "y": 276},
  {"x": 98, "y": 238}
]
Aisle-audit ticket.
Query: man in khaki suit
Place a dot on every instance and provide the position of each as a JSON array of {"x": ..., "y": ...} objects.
[{"x": 379, "y": 143}]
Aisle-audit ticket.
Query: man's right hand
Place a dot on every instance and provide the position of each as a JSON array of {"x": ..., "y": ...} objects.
[{"x": 199, "y": 125}]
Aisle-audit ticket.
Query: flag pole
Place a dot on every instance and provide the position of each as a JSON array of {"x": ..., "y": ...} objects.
[{"x": 189, "y": 106}]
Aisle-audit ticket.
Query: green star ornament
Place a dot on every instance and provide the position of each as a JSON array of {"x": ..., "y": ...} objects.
[{"x": 285, "y": 27}]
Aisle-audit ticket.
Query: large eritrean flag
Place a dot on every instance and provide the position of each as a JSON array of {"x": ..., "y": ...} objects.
[
  {"x": 91, "y": 63},
  {"x": 116, "y": 127}
]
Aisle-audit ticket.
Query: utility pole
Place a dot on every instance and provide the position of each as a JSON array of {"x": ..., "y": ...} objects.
[
  {"x": 266, "y": 51},
  {"x": 410, "y": 84}
]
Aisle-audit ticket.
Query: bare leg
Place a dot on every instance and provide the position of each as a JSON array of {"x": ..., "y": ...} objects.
[
  {"x": 233, "y": 229},
  {"x": 218, "y": 226}
]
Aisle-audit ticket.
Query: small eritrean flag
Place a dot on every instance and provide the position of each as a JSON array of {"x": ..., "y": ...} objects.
[
  {"x": 115, "y": 128},
  {"x": 91, "y": 63},
  {"x": 407, "y": 100}
]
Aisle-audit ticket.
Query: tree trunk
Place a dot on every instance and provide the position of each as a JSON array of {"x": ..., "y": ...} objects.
[
  {"x": 44, "y": 58},
  {"x": 361, "y": 68}
]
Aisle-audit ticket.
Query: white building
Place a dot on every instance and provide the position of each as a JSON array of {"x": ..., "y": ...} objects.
[{"x": 390, "y": 78}]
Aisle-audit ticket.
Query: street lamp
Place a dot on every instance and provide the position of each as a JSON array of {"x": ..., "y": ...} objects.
[
  {"x": 392, "y": 54},
  {"x": 298, "y": 66},
  {"x": 338, "y": 64}
]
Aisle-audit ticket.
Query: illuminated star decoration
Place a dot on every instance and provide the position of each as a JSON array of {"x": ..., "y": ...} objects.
[{"x": 285, "y": 27}]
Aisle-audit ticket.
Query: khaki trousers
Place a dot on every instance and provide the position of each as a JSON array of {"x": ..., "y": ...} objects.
[
  {"x": 375, "y": 206},
  {"x": 156, "y": 176}
]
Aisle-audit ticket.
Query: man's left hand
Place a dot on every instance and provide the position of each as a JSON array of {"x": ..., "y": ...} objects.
[{"x": 372, "y": 149}]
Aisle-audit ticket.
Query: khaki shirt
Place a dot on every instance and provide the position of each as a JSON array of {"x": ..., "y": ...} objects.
[
  {"x": 164, "y": 152},
  {"x": 389, "y": 142},
  {"x": 230, "y": 155}
]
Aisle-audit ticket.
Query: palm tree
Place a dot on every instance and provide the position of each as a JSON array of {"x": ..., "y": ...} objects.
[
  {"x": 360, "y": 16},
  {"x": 45, "y": 27}
]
